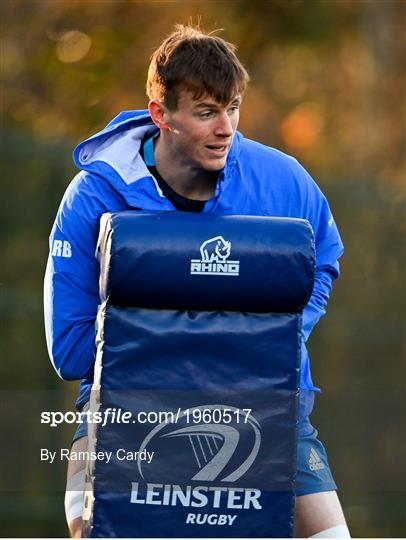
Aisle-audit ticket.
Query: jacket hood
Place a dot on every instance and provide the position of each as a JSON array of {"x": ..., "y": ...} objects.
[{"x": 117, "y": 147}]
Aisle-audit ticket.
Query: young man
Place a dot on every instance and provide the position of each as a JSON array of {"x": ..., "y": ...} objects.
[{"x": 184, "y": 153}]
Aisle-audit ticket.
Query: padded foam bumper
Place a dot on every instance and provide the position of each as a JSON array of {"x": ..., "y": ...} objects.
[{"x": 201, "y": 320}]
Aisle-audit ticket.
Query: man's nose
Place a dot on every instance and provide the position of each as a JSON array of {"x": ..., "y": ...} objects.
[{"x": 223, "y": 126}]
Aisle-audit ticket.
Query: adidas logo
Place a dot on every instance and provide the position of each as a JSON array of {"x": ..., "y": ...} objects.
[{"x": 315, "y": 463}]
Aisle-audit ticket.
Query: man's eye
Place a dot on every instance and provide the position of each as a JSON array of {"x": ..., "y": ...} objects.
[
  {"x": 205, "y": 114},
  {"x": 234, "y": 108}
]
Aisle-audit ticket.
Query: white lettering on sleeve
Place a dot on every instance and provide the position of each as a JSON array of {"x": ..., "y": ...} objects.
[{"x": 61, "y": 249}]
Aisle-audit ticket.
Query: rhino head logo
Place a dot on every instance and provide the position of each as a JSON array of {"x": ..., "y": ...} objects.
[{"x": 215, "y": 249}]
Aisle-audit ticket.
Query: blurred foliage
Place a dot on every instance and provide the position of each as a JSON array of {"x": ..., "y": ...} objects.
[
  {"x": 327, "y": 87},
  {"x": 327, "y": 75}
]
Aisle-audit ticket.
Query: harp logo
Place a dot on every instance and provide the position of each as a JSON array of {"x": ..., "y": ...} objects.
[
  {"x": 214, "y": 254},
  {"x": 213, "y": 451}
]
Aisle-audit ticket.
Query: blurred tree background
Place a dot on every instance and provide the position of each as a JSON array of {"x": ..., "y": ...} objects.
[{"x": 328, "y": 87}]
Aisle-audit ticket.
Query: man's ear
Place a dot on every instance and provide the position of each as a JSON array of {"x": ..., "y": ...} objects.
[{"x": 158, "y": 113}]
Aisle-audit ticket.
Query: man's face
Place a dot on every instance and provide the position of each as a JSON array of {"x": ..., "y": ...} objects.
[{"x": 201, "y": 131}]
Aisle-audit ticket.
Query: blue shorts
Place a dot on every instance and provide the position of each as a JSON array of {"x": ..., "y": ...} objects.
[{"x": 313, "y": 471}]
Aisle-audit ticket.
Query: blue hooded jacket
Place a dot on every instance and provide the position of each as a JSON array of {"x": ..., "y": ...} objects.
[{"x": 257, "y": 180}]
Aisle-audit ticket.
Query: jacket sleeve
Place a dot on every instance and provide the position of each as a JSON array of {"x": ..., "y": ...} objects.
[
  {"x": 329, "y": 249},
  {"x": 71, "y": 294}
]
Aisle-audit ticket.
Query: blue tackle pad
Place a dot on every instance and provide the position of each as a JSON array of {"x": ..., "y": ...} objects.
[{"x": 197, "y": 375}]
